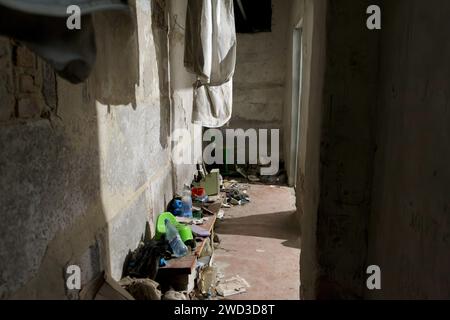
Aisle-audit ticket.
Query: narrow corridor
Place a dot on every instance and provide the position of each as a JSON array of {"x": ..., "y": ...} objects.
[{"x": 260, "y": 243}]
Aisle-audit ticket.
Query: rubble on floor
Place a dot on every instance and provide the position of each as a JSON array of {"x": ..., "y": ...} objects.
[
  {"x": 142, "y": 289},
  {"x": 236, "y": 193},
  {"x": 159, "y": 270},
  {"x": 175, "y": 295},
  {"x": 232, "y": 286},
  {"x": 104, "y": 287},
  {"x": 145, "y": 260},
  {"x": 252, "y": 174}
]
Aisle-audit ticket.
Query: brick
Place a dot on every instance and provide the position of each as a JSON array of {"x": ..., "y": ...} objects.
[
  {"x": 7, "y": 108},
  {"x": 26, "y": 84},
  {"x": 5, "y": 57},
  {"x": 29, "y": 108},
  {"x": 4, "y": 46},
  {"x": 25, "y": 58},
  {"x": 7, "y": 100}
]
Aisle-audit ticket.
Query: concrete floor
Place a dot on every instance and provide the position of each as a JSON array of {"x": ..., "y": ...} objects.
[{"x": 260, "y": 242}]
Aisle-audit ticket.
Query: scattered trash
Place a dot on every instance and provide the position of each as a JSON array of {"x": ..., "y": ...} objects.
[
  {"x": 191, "y": 221},
  {"x": 176, "y": 207},
  {"x": 207, "y": 280},
  {"x": 197, "y": 213},
  {"x": 183, "y": 230},
  {"x": 174, "y": 295},
  {"x": 220, "y": 276},
  {"x": 241, "y": 172},
  {"x": 199, "y": 194},
  {"x": 207, "y": 249},
  {"x": 236, "y": 193},
  {"x": 253, "y": 178},
  {"x": 213, "y": 199},
  {"x": 279, "y": 179},
  {"x": 162, "y": 262},
  {"x": 204, "y": 261},
  {"x": 104, "y": 287},
  {"x": 207, "y": 211},
  {"x": 200, "y": 232},
  {"x": 187, "y": 202},
  {"x": 142, "y": 289},
  {"x": 184, "y": 220},
  {"x": 161, "y": 224},
  {"x": 211, "y": 182},
  {"x": 232, "y": 286},
  {"x": 235, "y": 202},
  {"x": 144, "y": 262},
  {"x": 202, "y": 202},
  {"x": 199, "y": 222},
  {"x": 178, "y": 247}
]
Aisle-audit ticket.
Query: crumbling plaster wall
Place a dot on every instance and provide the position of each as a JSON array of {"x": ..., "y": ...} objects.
[
  {"x": 259, "y": 81},
  {"x": 336, "y": 144},
  {"x": 182, "y": 83},
  {"x": 78, "y": 186},
  {"x": 312, "y": 15}
]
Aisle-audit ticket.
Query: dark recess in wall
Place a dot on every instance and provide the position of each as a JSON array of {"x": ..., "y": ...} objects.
[{"x": 253, "y": 16}]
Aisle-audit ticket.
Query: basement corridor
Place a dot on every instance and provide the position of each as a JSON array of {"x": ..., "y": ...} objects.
[{"x": 260, "y": 243}]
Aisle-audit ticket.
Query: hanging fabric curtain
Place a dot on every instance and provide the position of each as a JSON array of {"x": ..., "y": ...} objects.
[
  {"x": 210, "y": 53},
  {"x": 41, "y": 26}
]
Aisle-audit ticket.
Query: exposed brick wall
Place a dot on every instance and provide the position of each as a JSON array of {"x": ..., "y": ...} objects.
[
  {"x": 27, "y": 84},
  {"x": 7, "y": 100}
]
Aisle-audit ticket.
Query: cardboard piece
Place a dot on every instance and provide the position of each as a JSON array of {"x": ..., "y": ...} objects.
[
  {"x": 232, "y": 286},
  {"x": 104, "y": 287}
]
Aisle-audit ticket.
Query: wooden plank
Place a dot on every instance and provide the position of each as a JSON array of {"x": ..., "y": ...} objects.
[
  {"x": 184, "y": 265},
  {"x": 187, "y": 263},
  {"x": 209, "y": 224},
  {"x": 213, "y": 209}
]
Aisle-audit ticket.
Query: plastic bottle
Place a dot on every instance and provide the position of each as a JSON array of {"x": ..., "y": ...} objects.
[
  {"x": 173, "y": 237},
  {"x": 187, "y": 202},
  {"x": 177, "y": 208}
]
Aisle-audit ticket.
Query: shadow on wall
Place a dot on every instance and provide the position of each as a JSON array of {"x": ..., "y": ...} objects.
[
  {"x": 51, "y": 172},
  {"x": 117, "y": 70},
  {"x": 51, "y": 201},
  {"x": 160, "y": 30},
  {"x": 117, "y": 67}
]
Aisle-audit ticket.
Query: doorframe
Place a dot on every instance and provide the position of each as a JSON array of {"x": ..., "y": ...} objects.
[{"x": 297, "y": 85}]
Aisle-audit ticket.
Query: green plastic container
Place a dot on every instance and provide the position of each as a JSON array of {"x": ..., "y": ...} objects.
[
  {"x": 161, "y": 224},
  {"x": 185, "y": 231}
]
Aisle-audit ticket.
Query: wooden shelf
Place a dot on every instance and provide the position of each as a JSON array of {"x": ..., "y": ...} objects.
[{"x": 186, "y": 264}]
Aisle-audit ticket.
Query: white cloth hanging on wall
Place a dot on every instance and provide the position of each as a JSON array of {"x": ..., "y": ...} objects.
[{"x": 210, "y": 53}]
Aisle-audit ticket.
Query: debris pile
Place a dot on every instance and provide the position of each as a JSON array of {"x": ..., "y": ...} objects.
[
  {"x": 177, "y": 262},
  {"x": 232, "y": 286},
  {"x": 236, "y": 193},
  {"x": 252, "y": 174}
]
